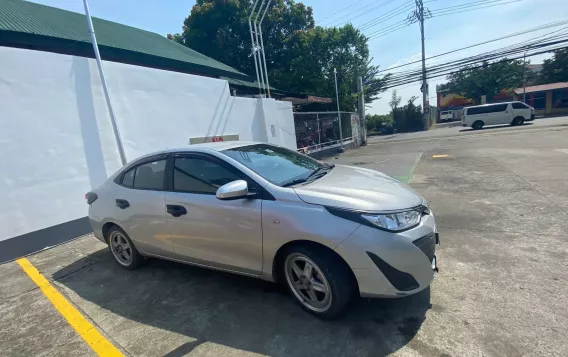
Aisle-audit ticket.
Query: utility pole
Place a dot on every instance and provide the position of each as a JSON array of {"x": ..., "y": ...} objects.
[
  {"x": 524, "y": 75},
  {"x": 362, "y": 118},
  {"x": 104, "y": 84},
  {"x": 418, "y": 16},
  {"x": 338, "y": 113}
]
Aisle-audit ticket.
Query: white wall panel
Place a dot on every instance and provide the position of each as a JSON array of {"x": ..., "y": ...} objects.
[{"x": 56, "y": 140}]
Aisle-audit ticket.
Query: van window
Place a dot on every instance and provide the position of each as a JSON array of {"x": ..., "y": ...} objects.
[
  {"x": 487, "y": 109},
  {"x": 519, "y": 106}
]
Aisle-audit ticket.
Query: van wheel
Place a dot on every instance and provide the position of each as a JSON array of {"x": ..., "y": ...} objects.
[
  {"x": 518, "y": 121},
  {"x": 123, "y": 250},
  {"x": 318, "y": 281},
  {"x": 477, "y": 125}
]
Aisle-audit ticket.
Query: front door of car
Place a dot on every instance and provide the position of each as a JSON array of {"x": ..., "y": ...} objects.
[
  {"x": 139, "y": 200},
  {"x": 209, "y": 231}
]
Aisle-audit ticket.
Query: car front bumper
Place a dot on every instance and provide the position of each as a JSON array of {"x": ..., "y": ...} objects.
[{"x": 392, "y": 264}]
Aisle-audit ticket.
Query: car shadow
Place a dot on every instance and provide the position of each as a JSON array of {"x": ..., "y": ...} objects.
[
  {"x": 228, "y": 310},
  {"x": 496, "y": 127}
]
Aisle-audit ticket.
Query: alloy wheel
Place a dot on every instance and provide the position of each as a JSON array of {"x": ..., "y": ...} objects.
[
  {"x": 307, "y": 282},
  {"x": 121, "y": 248}
]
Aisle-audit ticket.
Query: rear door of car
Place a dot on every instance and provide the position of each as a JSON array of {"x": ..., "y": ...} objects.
[
  {"x": 141, "y": 207},
  {"x": 225, "y": 234}
]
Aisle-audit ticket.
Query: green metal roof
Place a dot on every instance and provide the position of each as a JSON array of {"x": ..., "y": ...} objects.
[{"x": 22, "y": 22}]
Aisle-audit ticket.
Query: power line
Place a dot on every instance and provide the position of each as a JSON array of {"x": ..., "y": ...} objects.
[
  {"x": 474, "y": 3},
  {"x": 438, "y": 14},
  {"x": 347, "y": 16},
  {"x": 512, "y": 49},
  {"x": 386, "y": 16},
  {"x": 391, "y": 85},
  {"x": 538, "y": 28},
  {"x": 404, "y": 23},
  {"x": 337, "y": 12},
  {"x": 388, "y": 32},
  {"x": 532, "y": 49}
]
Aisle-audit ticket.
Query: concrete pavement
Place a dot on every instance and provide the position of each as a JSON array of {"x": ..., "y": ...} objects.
[{"x": 501, "y": 203}]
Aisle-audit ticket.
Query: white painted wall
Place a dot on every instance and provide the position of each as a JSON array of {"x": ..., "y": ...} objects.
[{"x": 56, "y": 140}]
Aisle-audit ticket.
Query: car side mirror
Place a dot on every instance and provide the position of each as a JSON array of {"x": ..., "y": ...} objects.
[{"x": 233, "y": 190}]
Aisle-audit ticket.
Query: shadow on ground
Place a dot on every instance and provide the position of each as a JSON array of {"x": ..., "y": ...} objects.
[
  {"x": 135, "y": 307},
  {"x": 495, "y": 127}
]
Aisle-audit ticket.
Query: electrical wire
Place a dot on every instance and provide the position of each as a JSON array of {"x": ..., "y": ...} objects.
[
  {"x": 513, "y": 49},
  {"x": 386, "y": 16},
  {"x": 538, "y": 28},
  {"x": 444, "y": 72},
  {"x": 350, "y": 17},
  {"x": 404, "y": 23},
  {"x": 441, "y": 13}
]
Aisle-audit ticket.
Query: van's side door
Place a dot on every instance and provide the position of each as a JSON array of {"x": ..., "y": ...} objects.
[
  {"x": 205, "y": 230},
  {"x": 506, "y": 113}
]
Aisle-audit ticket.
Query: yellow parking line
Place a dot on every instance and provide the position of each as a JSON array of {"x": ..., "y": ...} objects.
[
  {"x": 439, "y": 156},
  {"x": 84, "y": 328}
]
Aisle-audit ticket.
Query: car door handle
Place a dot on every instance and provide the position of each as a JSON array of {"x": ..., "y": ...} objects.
[
  {"x": 176, "y": 210},
  {"x": 122, "y": 204}
]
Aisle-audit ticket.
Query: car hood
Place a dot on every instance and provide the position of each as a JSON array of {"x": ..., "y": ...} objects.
[{"x": 359, "y": 189}]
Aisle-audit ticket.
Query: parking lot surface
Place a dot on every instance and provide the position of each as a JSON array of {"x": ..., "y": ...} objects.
[{"x": 501, "y": 203}]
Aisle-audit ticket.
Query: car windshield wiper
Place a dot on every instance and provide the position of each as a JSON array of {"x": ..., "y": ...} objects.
[
  {"x": 294, "y": 182},
  {"x": 322, "y": 171},
  {"x": 319, "y": 172}
]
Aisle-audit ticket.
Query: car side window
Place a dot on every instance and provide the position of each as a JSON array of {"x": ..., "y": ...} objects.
[
  {"x": 128, "y": 178},
  {"x": 198, "y": 175},
  {"x": 519, "y": 106},
  {"x": 149, "y": 176}
]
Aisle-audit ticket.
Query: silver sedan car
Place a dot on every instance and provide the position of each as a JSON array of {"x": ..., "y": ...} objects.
[{"x": 328, "y": 232}]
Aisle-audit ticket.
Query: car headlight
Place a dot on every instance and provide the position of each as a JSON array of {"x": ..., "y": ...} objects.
[{"x": 394, "y": 222}]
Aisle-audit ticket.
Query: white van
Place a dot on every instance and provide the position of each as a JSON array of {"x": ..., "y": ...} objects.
[
  {"x": 447, "y": 115},
  {"x": 514, "y": 113}
]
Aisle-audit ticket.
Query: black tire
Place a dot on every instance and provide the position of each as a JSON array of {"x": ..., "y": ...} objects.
[
  {"x": 136, "y": 259},
  {"x": 339, "y": 279},
  {"x": 518, "y": 121},
  {"x": 477, "y": 125}
]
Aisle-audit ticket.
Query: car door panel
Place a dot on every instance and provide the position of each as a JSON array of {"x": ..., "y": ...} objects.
[
  {"x": 224, "y": 234},
  {"x": 144, "y": 220},
  {"x": 203, "y": 229},
  {"x": 139, "y": 200}
]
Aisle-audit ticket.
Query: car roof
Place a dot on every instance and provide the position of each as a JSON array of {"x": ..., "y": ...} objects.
[
  {"x": 488, "y": 104},
  {"x": 204, "y": 147}
]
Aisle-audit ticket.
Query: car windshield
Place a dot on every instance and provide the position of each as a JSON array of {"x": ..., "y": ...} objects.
[{"x": 281, "y": 166}]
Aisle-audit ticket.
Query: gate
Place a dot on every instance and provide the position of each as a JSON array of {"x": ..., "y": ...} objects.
[{"x": 317, "y": 131}]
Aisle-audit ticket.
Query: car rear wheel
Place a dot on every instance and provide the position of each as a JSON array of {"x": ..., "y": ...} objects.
[
  {"x": 319, "y": 281},
  {"x": 477, "y": 125},
  {"x": 123, "y": 250}
]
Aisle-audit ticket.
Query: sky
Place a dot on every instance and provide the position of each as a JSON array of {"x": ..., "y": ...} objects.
[{"x": 442, "y": 33}]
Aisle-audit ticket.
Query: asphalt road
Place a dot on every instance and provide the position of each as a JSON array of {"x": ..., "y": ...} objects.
[
  {"x": 500, "y": 197},
  {"x": 457, "y": 132}
]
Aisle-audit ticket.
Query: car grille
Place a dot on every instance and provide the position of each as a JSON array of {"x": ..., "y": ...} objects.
[{"x": 427, "y": 245}]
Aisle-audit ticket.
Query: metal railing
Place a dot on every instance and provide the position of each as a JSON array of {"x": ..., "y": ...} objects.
[{"x": 317, "y": 131}]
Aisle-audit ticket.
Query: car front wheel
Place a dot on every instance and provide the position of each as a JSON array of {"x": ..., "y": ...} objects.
[{"x": 318, "y": 280}]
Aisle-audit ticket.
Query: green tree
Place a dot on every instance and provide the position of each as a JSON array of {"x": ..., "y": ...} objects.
[
  {"x": 408, "y": 117},
  {"x": 555, "y": 69},
  {"x": 488, "y": 79},
  {"x": 300, "y": 56},
  {"x": 395, "y": 100},
  {"x": 376, "y": 121}
]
